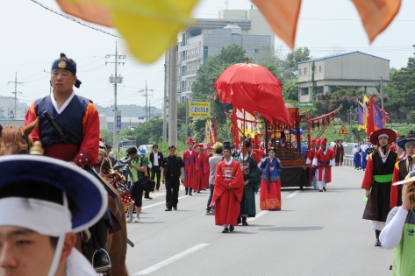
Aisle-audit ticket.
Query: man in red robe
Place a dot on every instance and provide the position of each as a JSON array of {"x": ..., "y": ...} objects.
[
  {"x": 190, "y": 169},
  {"x": 197, "y": 185},
  {"x": 314, "y": 146},
  {"x": 323, "y": 161},
  {"x": 206, "y": 168},
  {"x": 229, "y": 188}
]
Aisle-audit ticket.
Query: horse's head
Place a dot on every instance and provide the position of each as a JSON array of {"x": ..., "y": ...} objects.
[{"x": 16, "y": 139}]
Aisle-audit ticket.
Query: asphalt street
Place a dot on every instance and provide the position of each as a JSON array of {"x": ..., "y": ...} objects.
[{"x": 314, "y": 234}]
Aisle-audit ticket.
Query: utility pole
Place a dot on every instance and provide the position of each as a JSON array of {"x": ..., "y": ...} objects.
[
  {"x": 351, "y": 130},
  {"x": 147, "y": 108},
  {"x": 173, "y": 96},
  {"x": 381, "y": 91},
  {"x": 115, "y": 80},
  {"x": 166, "y": 58},
  {"x": 15, "y": 95}
]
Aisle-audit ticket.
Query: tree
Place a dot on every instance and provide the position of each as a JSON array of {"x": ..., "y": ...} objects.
[
  {"x": 202, "y": 88},
  {"x": 146, "y": 133},
  {"x": 290, "y": 66}
]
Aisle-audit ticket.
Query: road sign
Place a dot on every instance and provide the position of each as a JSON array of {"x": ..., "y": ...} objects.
[
  {"x": 343, "y": 130},
  {"x": 199, "y": 109},
  {"x": 118, "y": 122},
  {"x": 11, "y": 115}
]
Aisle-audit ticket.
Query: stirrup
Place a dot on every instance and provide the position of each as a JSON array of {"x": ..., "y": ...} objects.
[{"x": 103, "y": 268}]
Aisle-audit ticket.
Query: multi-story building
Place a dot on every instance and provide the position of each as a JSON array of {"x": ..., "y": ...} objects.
[
  {"x": 247, "y": 28},
  {"x": 354, "y": 69},
  {"x": 8, "y": 109}
]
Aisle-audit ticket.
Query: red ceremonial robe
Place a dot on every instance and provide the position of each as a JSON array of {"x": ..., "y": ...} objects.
[
  {"x": 396, "y": 176},
  {"x": 197, "y": 186},
  {"x": 323, "y": 161},
  {"x": 206, "y": 171},
  {"x": 228, "y": 202},
  {"x": 189, "y": 160},
  {"x": 256, "y": 154},
  {"x": 310, "y": 158}
]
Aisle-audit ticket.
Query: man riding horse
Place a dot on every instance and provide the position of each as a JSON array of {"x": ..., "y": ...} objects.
[{"x": 68, "y": 129}]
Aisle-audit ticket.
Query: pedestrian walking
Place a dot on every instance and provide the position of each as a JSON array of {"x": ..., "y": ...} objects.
[
  {"x": 213, "y": 162},
  {"x": 357, "y": 157},
  {"x": 197, "y": 184},
  {"x": 138, "y": 169},
  {"x": 155, "y": 158},
  {"x": 378, "y": 179},
  {"x": 190, "y": 169},
  {"x": 398, "y": 233},
  {"x": 315, "y": 145},
  {"x": 270, "y": 195},
  {"x": 172, "y": 168},
  {"x": 227, "y": 196},
  {"x": 323, "y": 161}
]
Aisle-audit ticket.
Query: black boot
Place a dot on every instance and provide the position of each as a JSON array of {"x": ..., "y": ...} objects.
[
  {"x": 377, "y": 243},
  {"x": 101, "y": 260}
]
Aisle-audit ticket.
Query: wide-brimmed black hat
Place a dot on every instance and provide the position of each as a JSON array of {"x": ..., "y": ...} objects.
[
  {"x": 227, "y": 146},
  {"x": 408, "y": 138},
  {"x": 374, "y": 137}
]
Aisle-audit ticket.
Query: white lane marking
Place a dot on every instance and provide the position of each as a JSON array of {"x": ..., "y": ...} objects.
[
  {"x": 172, "y": 259},
  {"x": 152, "y": 205},
  {"x": 293, "y": 194},
  {"x": 258, "y": 216}
]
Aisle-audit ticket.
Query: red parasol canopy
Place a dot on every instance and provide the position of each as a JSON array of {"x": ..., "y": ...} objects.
[{"x": 253, "y": 88}]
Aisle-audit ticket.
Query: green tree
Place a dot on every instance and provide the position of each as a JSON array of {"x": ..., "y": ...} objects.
[
  {"x": 202, "y": 88},
  {"x": 146, "y": 133}
]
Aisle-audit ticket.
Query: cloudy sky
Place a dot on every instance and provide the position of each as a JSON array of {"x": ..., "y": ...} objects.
[{"x": 32, "y": 37}]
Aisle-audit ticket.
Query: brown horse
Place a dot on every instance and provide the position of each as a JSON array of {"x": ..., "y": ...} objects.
[{"x": 16, "y": 140}]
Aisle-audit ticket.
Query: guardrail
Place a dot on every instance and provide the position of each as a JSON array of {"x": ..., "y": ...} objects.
[{"x": 348, "y": 160}]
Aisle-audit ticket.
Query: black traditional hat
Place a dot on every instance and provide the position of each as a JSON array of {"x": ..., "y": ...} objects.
[
  {"x": 374, "y": 137},
  {"x": 248, "y": 142},
  {"x": 408, "y": 138},
  {"x": 227, "y": 146}
]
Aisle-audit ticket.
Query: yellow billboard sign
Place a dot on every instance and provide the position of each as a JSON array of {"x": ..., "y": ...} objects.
[{"x": 199, "y": 109}]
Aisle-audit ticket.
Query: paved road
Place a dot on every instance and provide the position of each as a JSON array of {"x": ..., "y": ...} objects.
[{"x": 314, "y": 234}]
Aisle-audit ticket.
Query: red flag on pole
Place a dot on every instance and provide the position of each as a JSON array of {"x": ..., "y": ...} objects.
[{"x": 370, "y": 120}]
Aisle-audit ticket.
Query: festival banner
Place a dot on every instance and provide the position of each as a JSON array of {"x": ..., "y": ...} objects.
[{"x": 199, "y": 109}]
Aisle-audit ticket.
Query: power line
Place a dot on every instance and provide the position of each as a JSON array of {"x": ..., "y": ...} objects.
[{"x": 74, "y": 19}]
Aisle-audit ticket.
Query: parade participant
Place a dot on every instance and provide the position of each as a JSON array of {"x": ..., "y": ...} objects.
[
  {"x": 363, "y": 149},
  {"x": 206, "y": 168},
  {"x": 252, "y": 178},
  {"x": 315, "y": 146},
  {"x": 339, "y": 152},
  {"x": 229, "y": 186},
  {"x": 68, "y": 128},
  {"x": 377, "y": 179},
  {"x": 270, "y": 195},
  {"x": 138, "y": 168},
  {"x": 283, "y": 141},
  {"x": 398, "y": 232},
  {"x": 197, "y": 185},
  {"x": 400, "y": 151},
  {"x": 76, "y": 117},
  {"x": 356, "y": 156},
  {"x": 190, "y": 169},
  {"x": 155, "y": 158},
  {"x": 111, "y": 157},
  {"x": 172, "y": 169},
  {"x": 54, "y": 209},
  {"x": 213, "y": 162},
  {"x": 323, "y": 161},
  {"x": 402, "y": 167}
]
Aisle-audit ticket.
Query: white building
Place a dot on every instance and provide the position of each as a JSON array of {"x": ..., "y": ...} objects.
[
  {"x": 247, "y": 28},
  {"x": 354, "y": 69}
]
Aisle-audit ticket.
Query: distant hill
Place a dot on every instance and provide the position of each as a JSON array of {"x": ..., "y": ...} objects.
[{"x": 131, "y": 110}]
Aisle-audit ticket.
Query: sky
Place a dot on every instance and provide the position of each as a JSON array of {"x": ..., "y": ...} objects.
[{"x": 32, "y": 37}]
